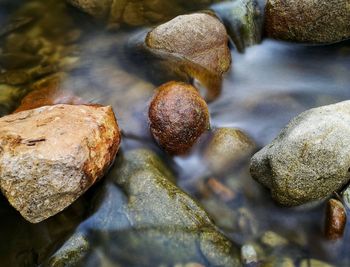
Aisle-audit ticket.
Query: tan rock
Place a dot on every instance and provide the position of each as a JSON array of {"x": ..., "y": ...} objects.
[
  {"x": 200, "y": 38},
  {"x": 51, "y": 155}
]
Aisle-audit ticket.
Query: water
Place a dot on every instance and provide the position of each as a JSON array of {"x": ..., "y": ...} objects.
[{"x": 265, "y": 88}]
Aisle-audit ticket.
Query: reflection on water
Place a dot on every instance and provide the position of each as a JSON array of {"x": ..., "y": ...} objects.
[{"x": 266, "y": 87}]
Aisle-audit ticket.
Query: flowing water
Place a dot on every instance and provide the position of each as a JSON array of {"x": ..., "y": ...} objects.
[{"x": 267, "y": 86}]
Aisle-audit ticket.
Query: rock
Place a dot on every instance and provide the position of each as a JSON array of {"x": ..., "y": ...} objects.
[
  {"x": 314, "y": 263},
  {"x": 138, "y": 12},
  {"x": 188, "y": 48},
  {"x": 200, "y": 38},
  {"x": 178, "y": 116},
  {"x": 243, "y": 21},
  {"x": 272, "y": 239},
  {"x": 48, "y": 92},
  {"x": 139, "y": 211},
  {"x": 308, "y": 161},
  {"x": 227, "y": 148},
  {"x": 51, "y": 155},
  {"x": 249, "y": 255},
  {"x": 335, "y": 220},
  {"x": 308, "y": 21}
]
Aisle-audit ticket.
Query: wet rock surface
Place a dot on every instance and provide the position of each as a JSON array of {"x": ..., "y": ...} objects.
[
  {"x": 47, "y": 161},
  {"x": 243, "y": 20},
  {"x": 308, "y": 21},
  {"x": 309, "y": 159},
  {"x": 178, "y": 117},
  {"x": 139, "y": 211}
]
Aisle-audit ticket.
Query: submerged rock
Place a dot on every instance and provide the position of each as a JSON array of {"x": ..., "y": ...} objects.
[
  {"x": 51, "y": 155},
  {"x": 178, "y": 116},
  {"x": 188, "y": 47},
  {"x": 227, "y": 148},
  {"x": 9, "y": 98},
  {"x": 309, "y": 160},
  {"x": 308, "y": 21},
  {"x": 139, "y": 211},
  {"x": 243, "y": 21}
]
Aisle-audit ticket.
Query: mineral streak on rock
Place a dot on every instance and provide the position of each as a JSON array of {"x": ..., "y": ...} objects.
[
  {"x": 51, "y": 155},
  {"x": 306, "y": 21},
  {"x": 178, "y": 116}
]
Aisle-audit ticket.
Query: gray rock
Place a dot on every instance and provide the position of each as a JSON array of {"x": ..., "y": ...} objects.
[
  {"x": 308, "y": 21},
  {"x": 139, "y": 211},
  {"x": 309, "y": 159},
  {"x": 243, "y": 21},
  {"x": 51, "y": 155}
]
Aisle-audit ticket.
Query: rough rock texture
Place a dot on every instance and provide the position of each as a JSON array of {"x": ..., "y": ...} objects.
[
  {"x": 243, "y": 21},
  {"x": 139, "y": 211},
  {"x": 178, "y": 116},
  {"x": 306, "y": 21},
  {"x": 95, "y": 8},
  {"x": 200, "y": 38},
  {"x": 51, "y": 155},
  {"x": 309, "y": 159},
  {"x": 227, "y": 148}
]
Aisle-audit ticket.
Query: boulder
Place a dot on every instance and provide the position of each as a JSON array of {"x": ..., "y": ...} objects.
[
  {"x": 140, "y": 211},
  {"x": 309, "y": 159},
  {"x": 51, "y": 155},
  {"x": 308, "y": 21}
]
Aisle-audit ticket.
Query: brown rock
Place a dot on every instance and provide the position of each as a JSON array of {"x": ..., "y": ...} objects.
[
  {"x": 51, "y": 155},
  {"x": 48, "y": 92},
  {"x": 178, "y": 116},
  {"x": 200, "y": 38},
  {"x": 335, "y": 220},
  {"x": 308, "y": 21}
]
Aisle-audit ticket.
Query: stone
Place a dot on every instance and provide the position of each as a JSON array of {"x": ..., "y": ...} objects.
[
  {"x": 308, "y": 160},
  {"x": 227, "y": 148},
  {"x": 200, "y": 38},
  {"x": 273, "y": 240},
  {"x": 178, "y": 117},
  {"x": 140, "y": 211},
  {"x": 51, "y": 155},
  {"x": 314, "y": 263},
  {"x": 138, "y": 12},
  {"x": 307, "y": 21},
  {"x": 335, "y": 220},
  {"x": 48, "y": 92},
  {"x": 243, "y": 20},
  {"x": 190, "y": 48},
  {"x": 248, "y": 254}
]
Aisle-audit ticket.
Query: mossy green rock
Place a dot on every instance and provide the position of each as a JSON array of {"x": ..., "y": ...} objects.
[{"x": 141, "y": 218}]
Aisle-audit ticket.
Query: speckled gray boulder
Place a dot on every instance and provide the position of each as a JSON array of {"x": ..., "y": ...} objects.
[{"x": 309, "y": 159}]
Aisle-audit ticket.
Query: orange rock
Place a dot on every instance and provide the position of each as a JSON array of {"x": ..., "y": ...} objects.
[
  {"x": 51, "y": 155},
  {"x": 335, "y": 219}
]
